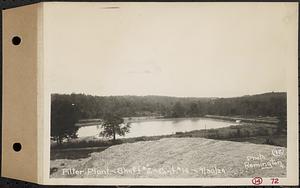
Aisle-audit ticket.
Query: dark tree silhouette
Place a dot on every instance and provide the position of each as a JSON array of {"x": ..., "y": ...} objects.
[
  {"x": 178, "y": 110},
  {"x": 64, "y": 115},
  {"x": 193, "y": 110},
  {"x": 282, "y": 124},
  {"x": 114, "y": 125}
]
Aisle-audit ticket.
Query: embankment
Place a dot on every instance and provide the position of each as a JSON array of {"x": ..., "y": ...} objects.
[{"x": 177, "y": 158}]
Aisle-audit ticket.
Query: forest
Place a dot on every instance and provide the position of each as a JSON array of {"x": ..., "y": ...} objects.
[{"x": 89, "y": 106}]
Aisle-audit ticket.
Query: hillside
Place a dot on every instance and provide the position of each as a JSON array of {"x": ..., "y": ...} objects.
[
  {"x": 267, "y": 104},
  {"x": 177, "y": 157}
]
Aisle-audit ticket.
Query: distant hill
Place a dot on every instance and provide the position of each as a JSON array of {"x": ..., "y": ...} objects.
[{"x": 267, "y": 104}]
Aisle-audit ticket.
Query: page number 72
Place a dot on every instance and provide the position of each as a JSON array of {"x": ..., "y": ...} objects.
[{"x": 275, "y": 180}]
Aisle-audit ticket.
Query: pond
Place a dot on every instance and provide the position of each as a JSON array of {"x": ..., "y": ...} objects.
[{"x": 155, "y": 127}]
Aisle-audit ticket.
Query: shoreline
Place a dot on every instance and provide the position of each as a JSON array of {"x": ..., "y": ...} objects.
[
  {"x": 266, "y": 120},
  {"x": 246, "y": 132}
]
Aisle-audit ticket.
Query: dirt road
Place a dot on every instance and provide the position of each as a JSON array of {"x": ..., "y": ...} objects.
[{"x": 177, "y": 157}]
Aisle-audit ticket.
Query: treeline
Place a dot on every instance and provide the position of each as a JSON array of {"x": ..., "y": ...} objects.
[{"x": 88, "y": 106}]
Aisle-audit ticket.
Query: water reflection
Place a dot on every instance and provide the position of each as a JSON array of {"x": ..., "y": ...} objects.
[{"x": 156, "y": 127}]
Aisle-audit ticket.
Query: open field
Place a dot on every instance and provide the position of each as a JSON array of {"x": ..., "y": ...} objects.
[{"x": 177, "y": 157}]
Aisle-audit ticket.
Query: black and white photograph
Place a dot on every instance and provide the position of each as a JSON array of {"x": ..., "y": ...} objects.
[{"x": 169, "y": 90}]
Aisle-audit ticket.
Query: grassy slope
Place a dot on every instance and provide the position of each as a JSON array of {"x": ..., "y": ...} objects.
[{"x": 191, "y": 154}]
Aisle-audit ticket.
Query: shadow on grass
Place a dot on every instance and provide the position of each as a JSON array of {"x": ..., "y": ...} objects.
[{"x": 74, "y": 153}]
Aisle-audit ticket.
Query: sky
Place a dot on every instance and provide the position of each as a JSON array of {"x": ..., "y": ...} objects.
[{"x": 170, "y": 49}]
